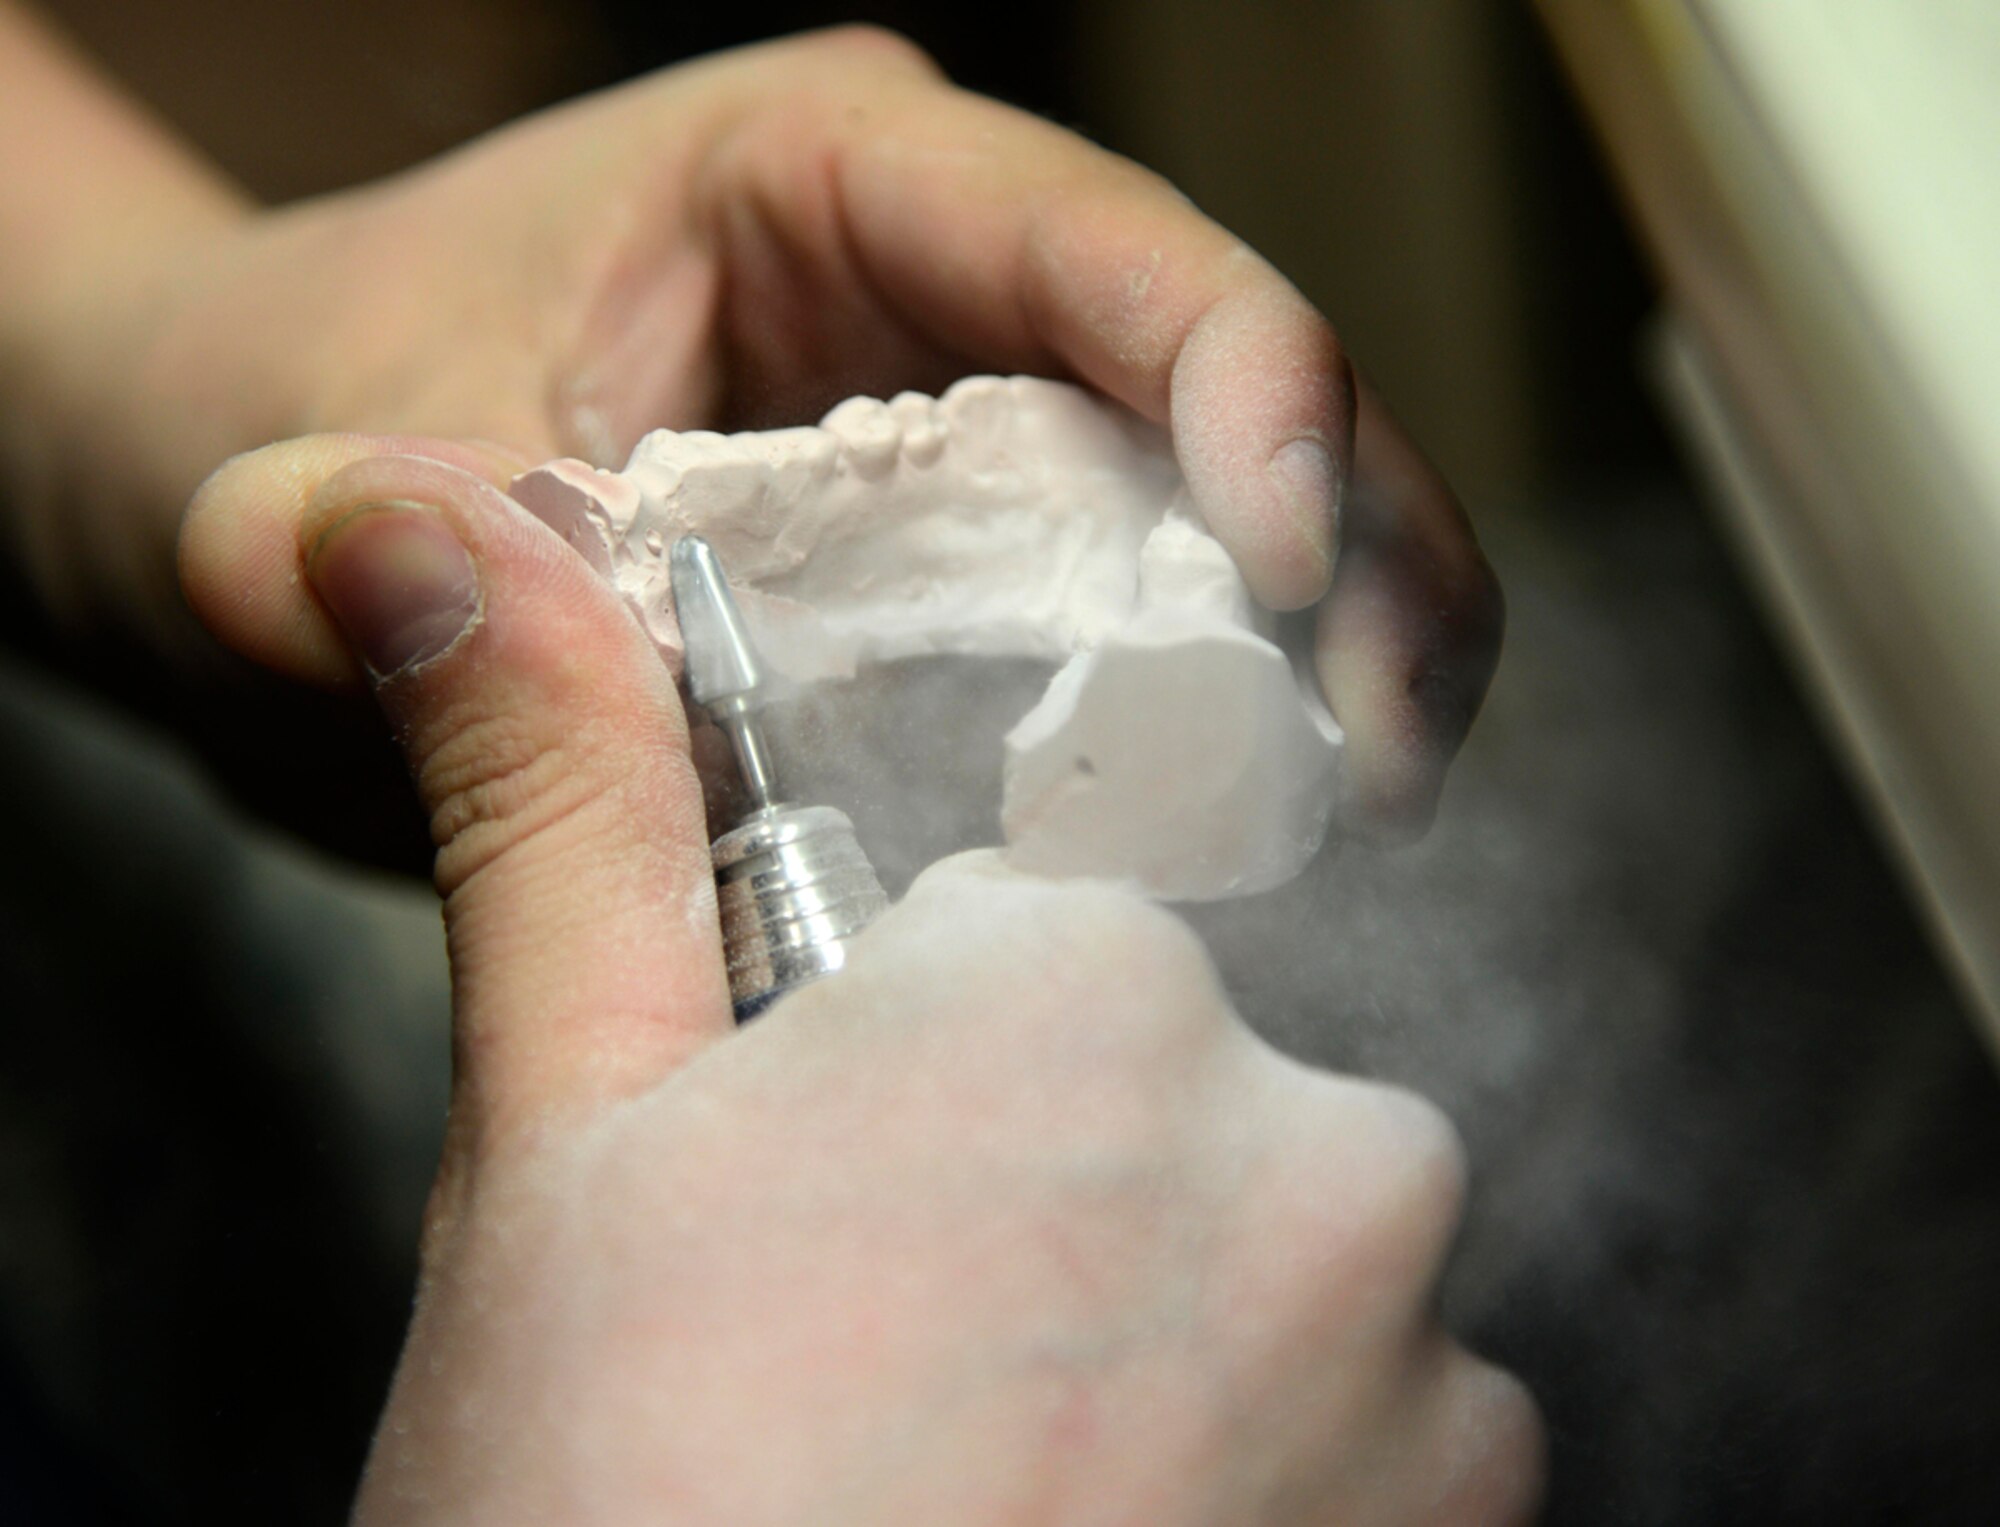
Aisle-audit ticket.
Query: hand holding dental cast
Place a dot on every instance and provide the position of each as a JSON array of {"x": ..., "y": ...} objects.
[
  {"x": 1176, "y": 746},
  {"x": 1011, "y": 1222},
  {"x": 651, "y": 256},
  {"x": 920, "y": 1246}
]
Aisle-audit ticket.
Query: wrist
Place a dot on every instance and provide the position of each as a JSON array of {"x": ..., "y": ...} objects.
[{"x": 102, "y": 220}]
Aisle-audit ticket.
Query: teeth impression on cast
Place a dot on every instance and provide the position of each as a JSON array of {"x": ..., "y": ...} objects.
[{"x": 1177, "y": 747}]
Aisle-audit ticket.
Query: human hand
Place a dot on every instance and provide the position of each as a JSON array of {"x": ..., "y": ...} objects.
[
  {"x": 742, "y": 241},
  {"x": 1012, "y": 1221}
]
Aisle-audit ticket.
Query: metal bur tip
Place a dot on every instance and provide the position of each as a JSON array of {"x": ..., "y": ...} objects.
[
  {"x": 721, "y": 662},
  {"x": 724, "y": 673}
]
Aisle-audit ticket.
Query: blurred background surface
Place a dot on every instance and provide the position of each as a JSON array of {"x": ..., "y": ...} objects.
[{"x": 1736, "y": 1218}]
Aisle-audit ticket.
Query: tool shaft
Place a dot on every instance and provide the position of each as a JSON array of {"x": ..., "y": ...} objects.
[{"x": 753, "y": 754}]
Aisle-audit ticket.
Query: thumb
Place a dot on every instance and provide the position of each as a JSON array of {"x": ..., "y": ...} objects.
[
  {"x": 550, "y": 749},
  {"x": 239, "y": 545}
]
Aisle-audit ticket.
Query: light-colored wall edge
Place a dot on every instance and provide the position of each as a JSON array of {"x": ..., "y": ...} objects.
[
  {"x": 1764, "y": 525},
  {"x": 1880, "y": 554}
]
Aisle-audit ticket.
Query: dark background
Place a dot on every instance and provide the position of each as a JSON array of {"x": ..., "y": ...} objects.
[{"x": 1735, "y": 1215}]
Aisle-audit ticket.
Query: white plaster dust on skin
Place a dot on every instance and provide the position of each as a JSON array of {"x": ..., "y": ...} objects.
[{"x": 1177, "y": 747}]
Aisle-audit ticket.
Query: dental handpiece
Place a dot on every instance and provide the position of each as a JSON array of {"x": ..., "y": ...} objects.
[{"x": 792, "y": 884}]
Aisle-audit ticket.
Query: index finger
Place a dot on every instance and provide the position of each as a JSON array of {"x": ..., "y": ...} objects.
[
  {"x": 1001, "y": 238},
  {"x": 1005, "y": 239}
]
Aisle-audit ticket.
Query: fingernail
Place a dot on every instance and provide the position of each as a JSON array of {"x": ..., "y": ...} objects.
[
  {"x": 398, "y": 582},
  {"x": 1303, "y": 471}
]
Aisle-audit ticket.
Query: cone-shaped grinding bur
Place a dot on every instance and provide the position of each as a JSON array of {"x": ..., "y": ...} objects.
[{"x": 724, "y": 674}]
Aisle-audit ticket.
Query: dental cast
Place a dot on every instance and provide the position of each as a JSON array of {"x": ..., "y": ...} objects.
[{"x": 1012, "y": 517}]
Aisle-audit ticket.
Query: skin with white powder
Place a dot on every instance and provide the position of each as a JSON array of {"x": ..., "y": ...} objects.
[{"x": 1176, "y": 746}]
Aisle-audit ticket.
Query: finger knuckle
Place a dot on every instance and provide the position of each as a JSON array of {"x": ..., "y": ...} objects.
[
  {"x": 1145, "y": 936},
  {"x": 1425, "y": 1183},
  {"x": 1499, "y": 1447},
  {"x": 1379, "y": 1185},
  {"x": 1450, "y": 675},
  {"x": 1326, "y": 378},
  {"x": 1117, "y": 995},
  {"x": 1092, "y": 981},
  {"x": 1152, "y": 970},
  {"x": 492, "y": 783},
  {"x": 1485, "y": 604},
  {"x": 879, "y": 45}
]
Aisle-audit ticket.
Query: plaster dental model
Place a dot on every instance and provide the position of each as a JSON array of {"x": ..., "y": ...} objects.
[{"x": 1176, "y": 746}]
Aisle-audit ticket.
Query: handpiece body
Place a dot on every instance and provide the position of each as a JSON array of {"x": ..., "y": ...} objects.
[{"x": 793, "y": 888}]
